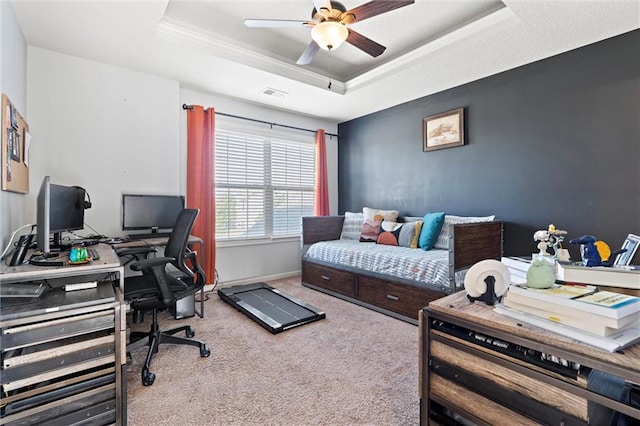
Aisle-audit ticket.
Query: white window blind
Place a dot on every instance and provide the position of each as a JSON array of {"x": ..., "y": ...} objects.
[{"x": 264, "y": 185}]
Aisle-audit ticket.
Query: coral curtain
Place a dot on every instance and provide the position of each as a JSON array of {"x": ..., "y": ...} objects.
[
  {"x": 321, "y": 190},
  {"x": 201, "y": 180}
]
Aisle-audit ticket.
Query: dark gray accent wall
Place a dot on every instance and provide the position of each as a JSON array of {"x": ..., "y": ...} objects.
[{"x": 556, "y": 141}]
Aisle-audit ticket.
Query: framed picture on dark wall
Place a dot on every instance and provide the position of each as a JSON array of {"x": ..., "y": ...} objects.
[{"x": 444, "y": 130}]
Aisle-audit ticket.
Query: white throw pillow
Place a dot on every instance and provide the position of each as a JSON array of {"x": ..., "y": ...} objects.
[
  {"x": 390, "y": 226},
  {"x": 388, "y": 215}
]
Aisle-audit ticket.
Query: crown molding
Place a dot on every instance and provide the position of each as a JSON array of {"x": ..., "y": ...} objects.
[
  {"x": 496, "y": 21},
  {"x": 234, "y": 51}
]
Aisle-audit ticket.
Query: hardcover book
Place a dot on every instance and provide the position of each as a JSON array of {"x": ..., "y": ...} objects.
[
  {"x": 613, "y": 343},
  {"x": 517, "y": 263},
  {"x": 590, "y": 323},
  {"x": 562, "y": 312},
  {"x": 614, "y": 276},
  {"x": 565, "y": 291},
  {"x": 518, "y": 268},
  {"x": 603, "y": 303}
]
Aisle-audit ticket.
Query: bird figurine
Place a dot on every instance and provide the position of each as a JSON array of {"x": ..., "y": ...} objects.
[{"x": 595, "y": 252}]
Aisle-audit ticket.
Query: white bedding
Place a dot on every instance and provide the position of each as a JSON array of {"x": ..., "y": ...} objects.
[{"x": 422, "y": 267}]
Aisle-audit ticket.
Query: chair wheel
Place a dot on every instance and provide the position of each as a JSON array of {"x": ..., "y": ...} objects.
[
  {"x": 148, "y": 379},
  {"x": 190, "y": 333},
  {"x": 204, "y": 353}
]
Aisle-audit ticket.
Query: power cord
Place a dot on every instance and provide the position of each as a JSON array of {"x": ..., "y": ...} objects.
[
  {"x": 32, "y": 225},
  {"x": 96, "y": 235},
  {"x": 216, "y": 281}
]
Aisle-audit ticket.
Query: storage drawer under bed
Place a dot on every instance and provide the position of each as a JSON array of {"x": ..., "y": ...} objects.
[
  {"x": 342, "y": 282},
  {"x": 400, "y": 298}
]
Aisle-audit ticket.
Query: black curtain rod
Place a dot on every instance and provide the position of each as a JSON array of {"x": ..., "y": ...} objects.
[{"x": 190, "y": 107}]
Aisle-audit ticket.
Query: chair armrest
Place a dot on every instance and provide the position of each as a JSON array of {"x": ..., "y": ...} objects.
[
  {"x": 150, "y": 263},
  {"x": 135, "y": 252},
  {"x": 196, "y": 269}
]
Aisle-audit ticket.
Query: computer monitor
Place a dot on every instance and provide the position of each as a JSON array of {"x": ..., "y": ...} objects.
[
  {"x": 59, "y": 209},
  {"x": 150, "y": 212}
]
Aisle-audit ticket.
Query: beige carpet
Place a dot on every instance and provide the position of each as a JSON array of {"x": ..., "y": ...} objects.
[{"x": 356, "y": 367}]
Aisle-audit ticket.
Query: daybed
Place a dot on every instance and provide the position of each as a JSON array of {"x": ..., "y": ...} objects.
[{"x": 397, "y": 281}]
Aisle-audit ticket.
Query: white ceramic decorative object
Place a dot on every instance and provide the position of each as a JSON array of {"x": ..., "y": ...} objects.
[{"x": 474, "y": 280}]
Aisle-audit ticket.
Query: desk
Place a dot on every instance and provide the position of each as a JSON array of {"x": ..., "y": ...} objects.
[
  {"x": 108, "y": 263},
  {"x": 488, "y": 368},
  {"x": 64, "y": 355},
  {"x": 161, "y": 242}
]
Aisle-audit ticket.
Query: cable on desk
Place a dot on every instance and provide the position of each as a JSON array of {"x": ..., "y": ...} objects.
[{"x": 32, "y": 225}]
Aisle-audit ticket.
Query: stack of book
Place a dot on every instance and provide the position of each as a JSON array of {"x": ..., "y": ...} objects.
[
  {"x": 605, "y": 319},
  {"x": 623, "y": 277},
  {"x": 518, "y": 267}
]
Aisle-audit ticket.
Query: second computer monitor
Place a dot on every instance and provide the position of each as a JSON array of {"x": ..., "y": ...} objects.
[{"x": 150, "y": 212}]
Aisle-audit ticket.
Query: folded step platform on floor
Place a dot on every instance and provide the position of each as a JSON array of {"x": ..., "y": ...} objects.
[{"x": 271, "y": 308}]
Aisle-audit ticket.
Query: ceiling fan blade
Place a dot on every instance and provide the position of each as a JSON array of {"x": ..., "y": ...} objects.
[
  {"x": 322, "y": 4},
  {"x": 365, "y": 44},
  {"x": 308, "y": 54},
  {"x": 373, "y": 8},
  {"x": 275, "y": 23}
]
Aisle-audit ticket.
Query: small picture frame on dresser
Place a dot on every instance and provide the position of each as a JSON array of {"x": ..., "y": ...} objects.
[{"x": 631, "y": 244}]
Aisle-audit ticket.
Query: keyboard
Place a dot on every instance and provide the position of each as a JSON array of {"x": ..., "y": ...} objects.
[
  {"x": 148, "y": 236},
  {"x": 93, "y": 253},
  {"x": 12, "y": 294}
]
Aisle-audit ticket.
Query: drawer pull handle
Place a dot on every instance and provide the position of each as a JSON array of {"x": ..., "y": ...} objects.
[
  {"x": 394, "y": 298},
  {"x": 326, "y": 278}
]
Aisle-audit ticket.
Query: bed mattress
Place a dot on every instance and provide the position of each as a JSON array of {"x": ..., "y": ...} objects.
[{"x": 409, "y": 264}]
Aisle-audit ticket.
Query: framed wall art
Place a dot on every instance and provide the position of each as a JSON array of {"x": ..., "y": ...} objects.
[
  {"x": 15, "y": 169},
  {"x": 444, "y": 130}
]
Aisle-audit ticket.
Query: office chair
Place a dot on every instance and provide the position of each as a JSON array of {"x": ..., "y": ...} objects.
[{"x": 157, "y": 290}]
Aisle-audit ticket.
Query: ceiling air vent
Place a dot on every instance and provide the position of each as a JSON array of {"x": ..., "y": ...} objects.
[{"x": 274, "y": 92}]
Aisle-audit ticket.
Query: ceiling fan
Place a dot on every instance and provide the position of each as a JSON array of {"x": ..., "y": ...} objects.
[{"x": 329, "y": 25}]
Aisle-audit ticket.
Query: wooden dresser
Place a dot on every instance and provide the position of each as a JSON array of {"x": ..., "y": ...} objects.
[{"x": 479, "y": 366}]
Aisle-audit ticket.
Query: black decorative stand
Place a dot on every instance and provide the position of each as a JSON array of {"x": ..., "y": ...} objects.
[{"x": 489, "y": 296}]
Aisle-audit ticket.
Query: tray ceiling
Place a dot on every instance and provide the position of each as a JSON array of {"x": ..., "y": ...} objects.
[{"x": 431, "y": 45}]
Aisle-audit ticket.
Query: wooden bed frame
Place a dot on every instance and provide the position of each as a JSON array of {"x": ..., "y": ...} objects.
[{"x": 469, "y": 243}]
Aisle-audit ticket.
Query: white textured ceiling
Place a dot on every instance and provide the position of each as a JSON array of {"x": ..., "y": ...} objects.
[{"x": 431, "y": 45}]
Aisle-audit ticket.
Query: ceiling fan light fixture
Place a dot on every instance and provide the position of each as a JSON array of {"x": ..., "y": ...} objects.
[{"x": 329, "y": 35}]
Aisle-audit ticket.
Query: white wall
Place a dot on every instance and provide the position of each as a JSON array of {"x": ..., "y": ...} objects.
[
  {"x": 107, "y": 129},
  {"x": 112, "y": 130},
  {"x": 247, "y": 262},
  {"x": 13, "y": 64}
]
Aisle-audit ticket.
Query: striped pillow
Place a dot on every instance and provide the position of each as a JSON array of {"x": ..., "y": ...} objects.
[{"x": 352, "y": 226}]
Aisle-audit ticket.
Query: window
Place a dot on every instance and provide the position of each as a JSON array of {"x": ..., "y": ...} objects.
[{"x": 264, "y": 184}]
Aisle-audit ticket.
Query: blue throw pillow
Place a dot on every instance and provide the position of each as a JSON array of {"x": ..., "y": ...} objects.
[{"x": 431, "y": 227}]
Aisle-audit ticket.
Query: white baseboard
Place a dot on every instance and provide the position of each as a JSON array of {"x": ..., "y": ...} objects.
[{"x": 209, "y": 287}]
